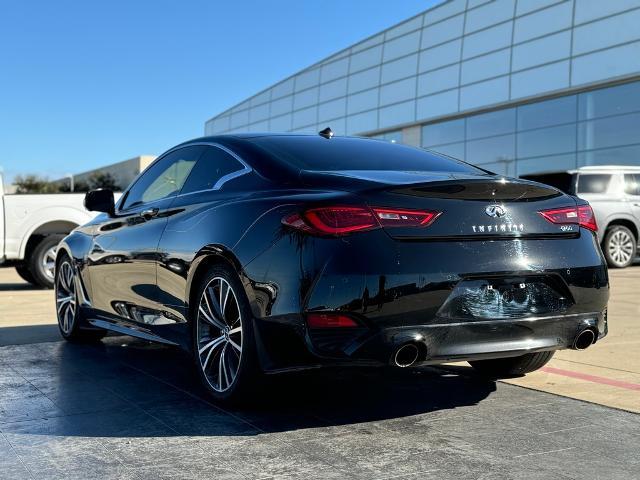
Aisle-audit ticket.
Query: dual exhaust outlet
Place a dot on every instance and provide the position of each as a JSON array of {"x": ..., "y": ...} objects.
[{"x": 409, "y": 353}]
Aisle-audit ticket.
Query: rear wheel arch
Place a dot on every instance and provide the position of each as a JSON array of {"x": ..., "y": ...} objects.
[
  {"x": 625, "y": 223},
  {"x": 62, "y": 227},
  {"x": 205, "y": 259}
]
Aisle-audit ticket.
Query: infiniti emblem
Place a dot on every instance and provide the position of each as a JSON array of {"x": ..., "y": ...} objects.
[{"x": 495, "y": 211}]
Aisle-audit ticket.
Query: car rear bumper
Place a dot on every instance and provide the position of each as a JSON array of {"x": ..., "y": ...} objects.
[
  {"x": 454, "y": 300},
  {"x": 438, "y": 343}
]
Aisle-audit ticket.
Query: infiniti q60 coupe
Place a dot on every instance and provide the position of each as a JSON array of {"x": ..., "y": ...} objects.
[{"x": 266, "y": 253}]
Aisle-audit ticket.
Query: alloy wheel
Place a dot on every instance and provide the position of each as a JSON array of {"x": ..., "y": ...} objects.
[
  {"x": 66, "y": 299},
  {"x": 48, "y": 262},
  {"x": 219, "y": 334},
  {"x": 620, "y": 247}
]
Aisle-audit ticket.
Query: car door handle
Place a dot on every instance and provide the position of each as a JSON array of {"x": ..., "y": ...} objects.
[{"x": 149, "y": 213}]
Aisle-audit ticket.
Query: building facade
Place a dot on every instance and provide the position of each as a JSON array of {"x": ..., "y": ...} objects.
[
  {"x": 122, "y": 172},
  {"x": 517, "y": 86}
]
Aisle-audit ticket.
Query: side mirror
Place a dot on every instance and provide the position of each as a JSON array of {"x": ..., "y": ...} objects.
[{"x": 100, "y": 200}]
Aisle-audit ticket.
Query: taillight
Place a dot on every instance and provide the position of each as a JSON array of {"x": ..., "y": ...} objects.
[
  {"x": 342, "y": 220},
  {"x": 581, "y": 215},
  {"x": 390, "y": 217},
  {"x": 330, "y": 320}
]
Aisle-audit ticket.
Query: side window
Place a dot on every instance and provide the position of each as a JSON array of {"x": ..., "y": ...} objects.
[
  {"x": 164, "y": 178},
  {"x": 593, "y": 183},
  {"x": 632, "y": 184},
  {"x": 214, "y": 164}
]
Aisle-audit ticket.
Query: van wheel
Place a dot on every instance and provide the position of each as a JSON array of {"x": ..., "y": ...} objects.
[
  {"x": 41, "y": 261},
  {"x": 619, "y": 246}
]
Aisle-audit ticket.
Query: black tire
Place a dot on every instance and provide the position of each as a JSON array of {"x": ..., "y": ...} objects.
[
  {"x": 35, "y": 260},
  {"x": 248, "y": 375},
  {"x": 512, "y": 366},
  {"x": 619, "y": 246},
  {"x": 73, "y": 328},
  {"x": 25, "y": 274}
]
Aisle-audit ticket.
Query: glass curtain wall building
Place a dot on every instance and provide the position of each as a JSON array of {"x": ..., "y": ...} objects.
[{"x": 517, "y": 86}]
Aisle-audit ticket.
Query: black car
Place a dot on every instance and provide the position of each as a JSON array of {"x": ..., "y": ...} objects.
[{"x": 272, "y": 253}]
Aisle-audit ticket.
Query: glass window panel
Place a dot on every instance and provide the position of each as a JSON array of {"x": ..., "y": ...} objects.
[
  {"x": 442, "y": 31},
  {"x": 487, "y": 66},
  {"x": 628, "y": 155},
  {"x": 365, "y": 59},
  {"x": 609, "y": 132},
  {"x": 492, "y": 149},
  {"x": 593, "y": 183},
  {"x": 334, "y": 70},
  {"x": 487, "y": 40},
  {"x": 543, "y": 50},
  {"x": 305, "y": 117},
  {"x": 259, "y": 113},
  {"x": 398, "y": 91},
  {"x": 547, "y": 141},
  {"x": 331, "y": 90},
  {"x": 214, "y": 164},
  {"x": 548, "y": 113},
  {"x": 443, "y": 132},
  {"x": 240, "y": 118},
  {"x": 492, "y": 123},
  {"x": 362, "y": 122},
  {"x": 397, "y": 114},
  {"x": 609, "y": 101},
  {"x": 305, "y": 99},
  {"x": 307, "y": 79},
  {"x": 438, "y": 80},
  {"x": 455, "y": 150},
  {"x": 631, "y": 184},
  {"x": 488, "y": 14},
  {"x": 402, "y": 68},
  {"x": 364, "y": 80},
  {"x": 283, "y": 105},
  {"x": 543, "y": 22},
  {"x": 281, "y": 89},
  {"x": 164, "y": 178},
  {"x": 362, "y": 101},
  {"x": 551, "y": 163},
  {"x": 333, "y": 109},
  {"x": 401, "y": 46},
  {"x": 439, "y": 56}
]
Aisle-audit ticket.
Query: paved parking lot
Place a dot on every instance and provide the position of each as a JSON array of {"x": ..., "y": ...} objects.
[{"x": 124, "y": 408}]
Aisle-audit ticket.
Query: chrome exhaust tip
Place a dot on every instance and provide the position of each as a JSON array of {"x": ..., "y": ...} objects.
[
  {"x": 584, "y": 339},
  {"x": 406, "y": 355}
]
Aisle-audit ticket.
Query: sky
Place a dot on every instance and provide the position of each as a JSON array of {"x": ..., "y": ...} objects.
[{"x": 88, "y": 83}]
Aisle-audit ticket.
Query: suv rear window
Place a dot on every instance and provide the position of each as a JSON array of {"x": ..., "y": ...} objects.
[
  {"x": 342, "y": 153},
  {"x": 593, "y": 183}
]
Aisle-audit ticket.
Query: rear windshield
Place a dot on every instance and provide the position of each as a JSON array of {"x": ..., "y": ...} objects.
[
  {"x": 595, "y": 183},
  {"x": 345, "y": 153}
]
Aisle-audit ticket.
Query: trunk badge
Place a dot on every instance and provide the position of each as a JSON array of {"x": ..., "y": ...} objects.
[{"x": 495, "y": 211}]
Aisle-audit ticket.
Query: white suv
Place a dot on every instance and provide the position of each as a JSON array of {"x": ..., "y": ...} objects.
[{"x": 614, "y": 193}]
